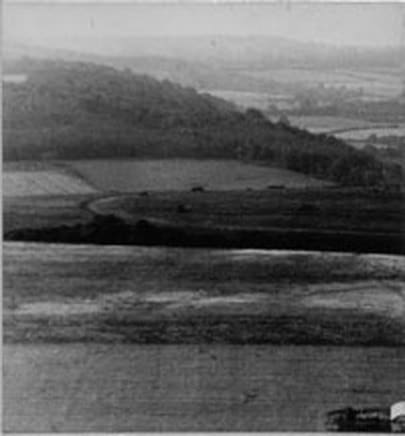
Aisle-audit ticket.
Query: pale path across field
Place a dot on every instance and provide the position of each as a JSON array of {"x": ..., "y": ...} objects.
[{"x": 111, "y": 388}]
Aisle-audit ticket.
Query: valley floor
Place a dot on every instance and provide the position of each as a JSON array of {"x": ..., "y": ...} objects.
[{"x": 102, "y": 338}]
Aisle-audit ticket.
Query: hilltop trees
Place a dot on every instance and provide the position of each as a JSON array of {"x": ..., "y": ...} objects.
[{"x": 73, "y": 110}]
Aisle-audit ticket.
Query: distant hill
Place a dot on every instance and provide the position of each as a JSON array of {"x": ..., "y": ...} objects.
[
  {"x": 255, "y": 51},
  {"x": 214, "y": 62},
  {"x": 205, "y": 73},
  {"x": 75, "y": 110}
]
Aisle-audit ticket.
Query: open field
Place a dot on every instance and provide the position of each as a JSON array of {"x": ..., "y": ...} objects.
[
  {"x": 126, "y": 387},
  {"x": 362, "y": 134},
  {"x": 314, "y": 219},
  {"x": 182, "y": 174},
  {"x": 70, "y": 293},
  {"x": 44, "y": 211},
  {"x": 273, "y": 208},
  {"x": 76, "y": 317},
  {"x": 19, "y": 183},
  {"x": 325, "y": 124},
  {"x": 385, "y": 84}
]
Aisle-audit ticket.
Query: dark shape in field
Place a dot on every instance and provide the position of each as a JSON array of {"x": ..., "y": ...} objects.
[
  {"x": 275, "y": 187},
  {"x": 184, "y": 208},
  {"x": 197, "y": 189},
  {"x": 144, "y": 194},
  {"x": 375, "y": 420},
  {"x": 249, "y": 396}
]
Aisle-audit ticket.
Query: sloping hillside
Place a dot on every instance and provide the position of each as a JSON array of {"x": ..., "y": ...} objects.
[{"x": 73, "y": 110}]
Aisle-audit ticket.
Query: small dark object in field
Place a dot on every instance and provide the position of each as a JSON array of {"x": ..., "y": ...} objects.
[
  {"x": 359, "y": 420},
  {"x": 308, "y": 208},
  {"x": 144, "y": 194},
  {"x": 275, "y": 187},
  {"x": 184, "y": 208},
  {"x": 197, "y": 189},
  {"x": 249, "y": 396},
  {"x": 249, "y": 189}
]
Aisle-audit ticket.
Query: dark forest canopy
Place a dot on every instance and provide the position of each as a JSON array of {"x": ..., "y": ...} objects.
[{"x": 75, "y": 110}]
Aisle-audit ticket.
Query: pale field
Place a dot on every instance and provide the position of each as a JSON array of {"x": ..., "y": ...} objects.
[
  {"x": 325, "y": 124},
  {"x": 363, "y": 134},
  {"x": 184, "y": 174},
  {"x": 19, "y": 183}
]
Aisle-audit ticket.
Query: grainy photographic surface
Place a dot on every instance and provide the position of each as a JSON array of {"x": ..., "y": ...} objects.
[{"x": 203, "y": 217}]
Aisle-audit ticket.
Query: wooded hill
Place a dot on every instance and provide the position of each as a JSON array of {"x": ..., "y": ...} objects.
[{"x": 75, "y": 110}]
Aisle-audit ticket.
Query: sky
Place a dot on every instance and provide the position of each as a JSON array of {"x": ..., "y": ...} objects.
[{"x": 363, "y": 24}]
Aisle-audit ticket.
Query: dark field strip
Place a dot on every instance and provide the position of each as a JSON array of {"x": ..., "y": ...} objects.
[
  {"x": 327, "y": 219},
  {"x": 45, "y": 211},
  {"x": 111, "y": 230},
  {"x": 311, "y": 327},
  {"x": 327, "y": 209}
]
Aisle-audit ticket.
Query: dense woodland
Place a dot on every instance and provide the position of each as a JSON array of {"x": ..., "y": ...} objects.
[{"x": 74, "y": 110}]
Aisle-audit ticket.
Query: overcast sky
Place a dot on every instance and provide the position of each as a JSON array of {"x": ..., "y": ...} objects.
[{"x": 342, "y": 24}]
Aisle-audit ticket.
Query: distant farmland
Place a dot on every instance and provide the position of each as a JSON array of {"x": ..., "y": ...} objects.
[
  {"x": 325, "y": 124},
  {"x": 379, "y": 84},
  {"x": 362, "y": 134},
  {"x": 184, "y": 174},
  {"x": 259, "y": 100}
]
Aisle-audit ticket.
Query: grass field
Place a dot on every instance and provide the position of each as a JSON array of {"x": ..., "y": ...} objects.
[
  {"x": 218, "y": 328},
  {"x": 31, "y": 178},
  {"x": 127, "y": 388},
  {"x": 183, "y": 174},
  {"x": 279, "y": 208},
  {"x": 44, "y": 211},
  {"x": 273, "y": 208},
  {"x": 62, "y": 293},
  {"x": 49, "y": 181},
  {"x": 317, "y": 219}
]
